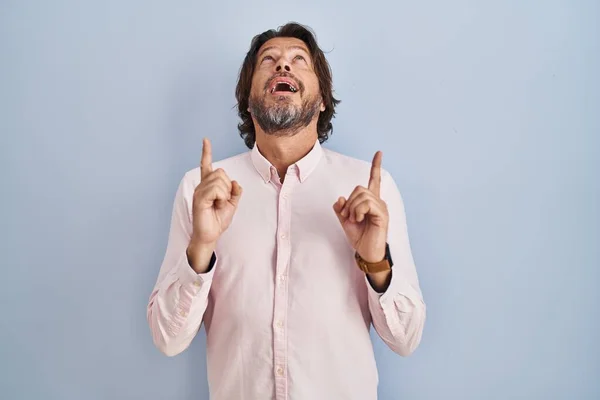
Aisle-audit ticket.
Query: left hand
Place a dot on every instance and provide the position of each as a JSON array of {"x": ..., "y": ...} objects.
[{"x": 364, "y": 216}]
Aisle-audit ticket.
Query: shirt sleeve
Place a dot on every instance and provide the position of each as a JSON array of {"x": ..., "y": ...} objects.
[
  {"x": 178, "y": 301},
  {"x": 399, "y": 313}
]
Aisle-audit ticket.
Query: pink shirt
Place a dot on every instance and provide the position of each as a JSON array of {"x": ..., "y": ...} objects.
[{"x": 287, "y": 312}]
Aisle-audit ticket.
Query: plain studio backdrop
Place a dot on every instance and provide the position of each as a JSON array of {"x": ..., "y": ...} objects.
[{"x": 487, "y": 115}]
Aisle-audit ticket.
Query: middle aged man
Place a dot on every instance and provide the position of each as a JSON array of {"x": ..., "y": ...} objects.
[{"x": 289, "y": 274}]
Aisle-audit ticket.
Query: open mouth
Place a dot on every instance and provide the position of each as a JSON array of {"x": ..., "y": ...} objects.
[{"x": 282, "y": 86}]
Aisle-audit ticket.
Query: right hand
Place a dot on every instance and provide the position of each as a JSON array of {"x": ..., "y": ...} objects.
[{"x": 215, "y": 201}]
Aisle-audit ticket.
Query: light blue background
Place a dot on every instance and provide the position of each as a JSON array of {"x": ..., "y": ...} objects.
[{"x": 487, "y": 113}]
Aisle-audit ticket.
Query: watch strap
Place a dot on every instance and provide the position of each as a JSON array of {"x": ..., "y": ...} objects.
[{"x": 380, "y": 266}]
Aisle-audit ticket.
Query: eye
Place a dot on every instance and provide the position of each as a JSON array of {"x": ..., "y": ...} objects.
[
  {"x": 299, "y": 57},
  {"x": 267, "y": 58}
]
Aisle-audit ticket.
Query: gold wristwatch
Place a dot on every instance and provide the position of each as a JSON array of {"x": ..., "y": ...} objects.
[{"x": 380, "y": 266}]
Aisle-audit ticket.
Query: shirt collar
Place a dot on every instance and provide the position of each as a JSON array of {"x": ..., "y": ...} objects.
[{"x": 303, "y": 167}]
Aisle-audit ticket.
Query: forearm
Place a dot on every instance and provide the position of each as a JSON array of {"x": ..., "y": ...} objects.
[
  {"x": 380, "y": 281},
  {"x": 200, "y": 255},
  {"x": 176, "y": 308}
]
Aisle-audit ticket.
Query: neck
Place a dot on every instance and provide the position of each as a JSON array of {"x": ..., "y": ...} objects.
[{"x": 283, "y": 151}]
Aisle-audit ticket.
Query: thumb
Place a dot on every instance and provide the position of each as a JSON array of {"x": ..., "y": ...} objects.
[
  {"x": 236, "y": 193},
  {"x": 337, "y": 207}
]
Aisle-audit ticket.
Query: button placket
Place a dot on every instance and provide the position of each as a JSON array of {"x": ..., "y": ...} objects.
[{"x": 281, "y": 288}]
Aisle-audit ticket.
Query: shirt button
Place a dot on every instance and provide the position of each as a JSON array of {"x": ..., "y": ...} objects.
[
  {"x": 279, "y": 371},
  {"x": 196, "y": 283},
  {"x": 283, "y": 236},
  {"x": 183, "y": 313},
  {"x": 279, "y": 324},
  {"x": 281, "y": 279}
]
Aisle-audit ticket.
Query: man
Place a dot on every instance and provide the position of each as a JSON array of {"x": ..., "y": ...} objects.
[{"x": 287, "y": 274}]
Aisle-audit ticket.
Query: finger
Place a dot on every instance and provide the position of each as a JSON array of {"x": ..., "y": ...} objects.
[
  {"x": 223, "y": 188},
  {"x": 357, "y": 190},
  {"x": 361, "y": 209},
  {"x": 214, "y": 179},
  {"x": 374, "y": 209},
  {"x": 222, "y": 196},
  {"x": 375, "y": 178},
  {"x": 218, "y": 175},
  {"x": 215, "y": 191},
  {"x": 370, "y": 207},
  {"x": 236, "y": 193},
  {"x": 338, "y": 207},
  {"x": 218, "y": 192},
  {"x": 354, "y": 200},
  {"x": 206, "y": 161},
  {"x": 352, "y": 209}
]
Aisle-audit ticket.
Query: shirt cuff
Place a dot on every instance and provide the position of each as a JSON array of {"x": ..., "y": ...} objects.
[
  {"x": 397, "y": 287},
  {"x": 187, "y": 275}
]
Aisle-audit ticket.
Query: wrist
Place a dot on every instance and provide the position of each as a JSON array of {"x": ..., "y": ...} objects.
[
  {"x": 380, "y": 281},
  {"x": 199, "y": 255},
  {"x": 373, "y": 256},
  {"x": 384, "y": 262}
]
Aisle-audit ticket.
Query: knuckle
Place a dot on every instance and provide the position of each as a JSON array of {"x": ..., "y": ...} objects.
[
  {"x": 214, "y": 173},
  {"x": 220, "y": 172}
]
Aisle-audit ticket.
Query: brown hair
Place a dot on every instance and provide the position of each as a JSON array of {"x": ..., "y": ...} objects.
[{"x": 321, "y": 67}]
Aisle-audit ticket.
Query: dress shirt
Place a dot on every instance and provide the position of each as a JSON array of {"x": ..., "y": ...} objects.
[{"x": 287, "y": 311}]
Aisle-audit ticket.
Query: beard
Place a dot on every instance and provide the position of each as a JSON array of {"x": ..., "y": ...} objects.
[{"x": 283, "y": 118}]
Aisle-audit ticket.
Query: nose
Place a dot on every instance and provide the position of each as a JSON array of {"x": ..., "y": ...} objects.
[{"x": 282, "y": 65}]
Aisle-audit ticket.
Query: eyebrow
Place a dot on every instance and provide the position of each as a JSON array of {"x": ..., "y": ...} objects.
[{"x": 294, "y": 47}]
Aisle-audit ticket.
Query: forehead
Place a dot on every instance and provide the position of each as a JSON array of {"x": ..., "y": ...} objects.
[{"x": 283, "y": 43}]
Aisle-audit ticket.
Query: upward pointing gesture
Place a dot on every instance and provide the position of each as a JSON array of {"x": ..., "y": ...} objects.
[
  {"x": 375, "y": 177},
  {"x": 215, "y": 201},
  {"x": 364, "y": 216}
]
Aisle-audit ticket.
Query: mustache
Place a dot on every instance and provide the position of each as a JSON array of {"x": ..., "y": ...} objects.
[{"x": 284, "y": 75}]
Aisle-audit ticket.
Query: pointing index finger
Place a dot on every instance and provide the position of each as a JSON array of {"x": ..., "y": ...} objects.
[
  {"x": 206, "y": 161},
  {"x": 375, "y": 178}
]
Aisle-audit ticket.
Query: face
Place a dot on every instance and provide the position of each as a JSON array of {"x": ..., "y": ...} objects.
[{"x": 285, "y": 94}]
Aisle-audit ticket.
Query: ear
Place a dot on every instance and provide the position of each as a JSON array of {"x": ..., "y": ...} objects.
[{"x": 322, "y": 107}]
